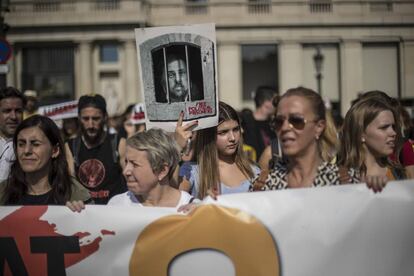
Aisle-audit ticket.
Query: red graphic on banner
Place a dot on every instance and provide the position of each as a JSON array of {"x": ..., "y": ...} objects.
[{"x": 35, "y": 263}]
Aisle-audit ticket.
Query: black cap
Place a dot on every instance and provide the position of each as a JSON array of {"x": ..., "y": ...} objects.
[{"x": 95, "y": 100}]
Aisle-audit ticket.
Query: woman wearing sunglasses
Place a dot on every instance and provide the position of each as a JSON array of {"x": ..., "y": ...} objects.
[
  {"x": 371, "y": 133},
  {"x": 221, "y": 167},
  {"x": 307, "y": 144}
]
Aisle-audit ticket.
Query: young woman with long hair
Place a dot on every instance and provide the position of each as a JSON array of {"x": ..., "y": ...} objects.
[
  {"x": 371, "y": 134},
  {"x": 221, "y": 167}
]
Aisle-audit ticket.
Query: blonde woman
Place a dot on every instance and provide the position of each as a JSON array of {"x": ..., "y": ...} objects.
[{"x": 308, "y": 142}]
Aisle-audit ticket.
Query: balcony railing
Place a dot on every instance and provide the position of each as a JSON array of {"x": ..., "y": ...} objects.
[
  {"x": 259, "y": 6},
  {"x": 233, "y": 12},
  {"x": 107, "y": 4},
  {"x": 382, "y": 6},
  {"x": 320, "y": 6},
  {"x": 196, "y": 7},
  {"x": 74, "y": 12},
  {"x": 282, "y": 11},
  {"x": 46, "y": 5},
  {"x": 38, "y": 6}
]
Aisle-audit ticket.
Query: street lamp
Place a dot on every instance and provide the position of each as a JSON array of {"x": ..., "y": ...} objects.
[{"x": 318, "y": 61}]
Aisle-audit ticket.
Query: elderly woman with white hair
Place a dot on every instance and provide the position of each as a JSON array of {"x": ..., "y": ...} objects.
[{"x": 150, "y": 160}]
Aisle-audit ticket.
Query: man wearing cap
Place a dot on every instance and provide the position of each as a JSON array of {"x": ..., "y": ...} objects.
[
  {"x": 12, "y": 104},
  {"x": 95, "y": 156}
]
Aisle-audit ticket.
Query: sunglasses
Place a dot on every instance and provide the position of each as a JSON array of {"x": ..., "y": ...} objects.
[{"x": 295, "y": 121}]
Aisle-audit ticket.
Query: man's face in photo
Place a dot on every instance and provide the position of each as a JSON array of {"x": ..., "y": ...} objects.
[{"x": 177, "y": 80}]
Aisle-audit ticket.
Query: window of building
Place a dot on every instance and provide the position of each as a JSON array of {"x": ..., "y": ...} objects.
[
  {"x": 381, "y": 6},
  {"x": 259, "y": 68},
  {"x": 50, "y": 71},
  {"x": 107, "y": 4},
  {"x": 320, "y": 6},
  {"x": 196, "y": 6},
  {"x": 45, "y": 5},
  {"x": 380, "y": 68},
  {"x": 108, "y": 53},
  {"x": 259, "y": 6}
]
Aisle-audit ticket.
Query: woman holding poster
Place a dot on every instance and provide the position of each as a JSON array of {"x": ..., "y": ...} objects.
[
  {"x": 40, "y": 175},
  {"x": 221, "y": 167}
]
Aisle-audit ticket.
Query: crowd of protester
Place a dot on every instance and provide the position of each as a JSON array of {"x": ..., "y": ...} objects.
[{"x": 293, "y": 138}]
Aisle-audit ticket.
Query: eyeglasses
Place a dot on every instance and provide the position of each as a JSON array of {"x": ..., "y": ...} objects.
[{"x": 295, "y": 121}]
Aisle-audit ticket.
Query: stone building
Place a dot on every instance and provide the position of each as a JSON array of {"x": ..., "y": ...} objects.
[{"x": 66, "y": 48}]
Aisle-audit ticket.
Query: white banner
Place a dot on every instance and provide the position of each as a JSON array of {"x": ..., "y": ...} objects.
[
  {"x": 346, "y": 230},
  {"x": 60, "y": 111},
  {"x": 138, "y": 114}
]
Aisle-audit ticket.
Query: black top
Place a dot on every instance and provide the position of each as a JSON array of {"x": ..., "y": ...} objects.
[
  {"x": 99, "y": 172},
  {"x": 257, "y": 134},
  {"x": 44, "y": 199}
]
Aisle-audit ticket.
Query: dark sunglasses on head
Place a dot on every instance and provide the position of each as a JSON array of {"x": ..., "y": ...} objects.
[{"x": 295, "y": 121}]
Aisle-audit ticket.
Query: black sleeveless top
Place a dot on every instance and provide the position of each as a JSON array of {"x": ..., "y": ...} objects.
[{"x": 97, "y": 170}]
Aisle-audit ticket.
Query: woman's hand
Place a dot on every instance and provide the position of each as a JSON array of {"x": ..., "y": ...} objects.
[
  {"x": 184, "y": 185},
  {"x": 213, "y": 193},
  {"x": 76, "y": 205},
  {"x": 187, "y": 208},
  {"x": 184, "y": 133},
  {"x": 375, "y": 182}
]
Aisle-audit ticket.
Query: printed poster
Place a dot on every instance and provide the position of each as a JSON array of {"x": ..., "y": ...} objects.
[{"x": 178, "y": 68}]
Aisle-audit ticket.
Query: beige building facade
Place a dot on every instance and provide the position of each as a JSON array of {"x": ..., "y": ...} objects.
[{"x": 68, "y": 48}]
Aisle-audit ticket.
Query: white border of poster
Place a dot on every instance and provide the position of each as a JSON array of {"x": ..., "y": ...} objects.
[{"x": 195, "y": 45}]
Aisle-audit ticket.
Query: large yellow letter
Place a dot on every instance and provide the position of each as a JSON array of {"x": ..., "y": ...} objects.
[{"x": 235, "y": 233}]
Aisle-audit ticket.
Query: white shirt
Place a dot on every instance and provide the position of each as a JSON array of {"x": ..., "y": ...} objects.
[
  {"x": 129, "y": 199},
  {"x": 6, "y": 157}
]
